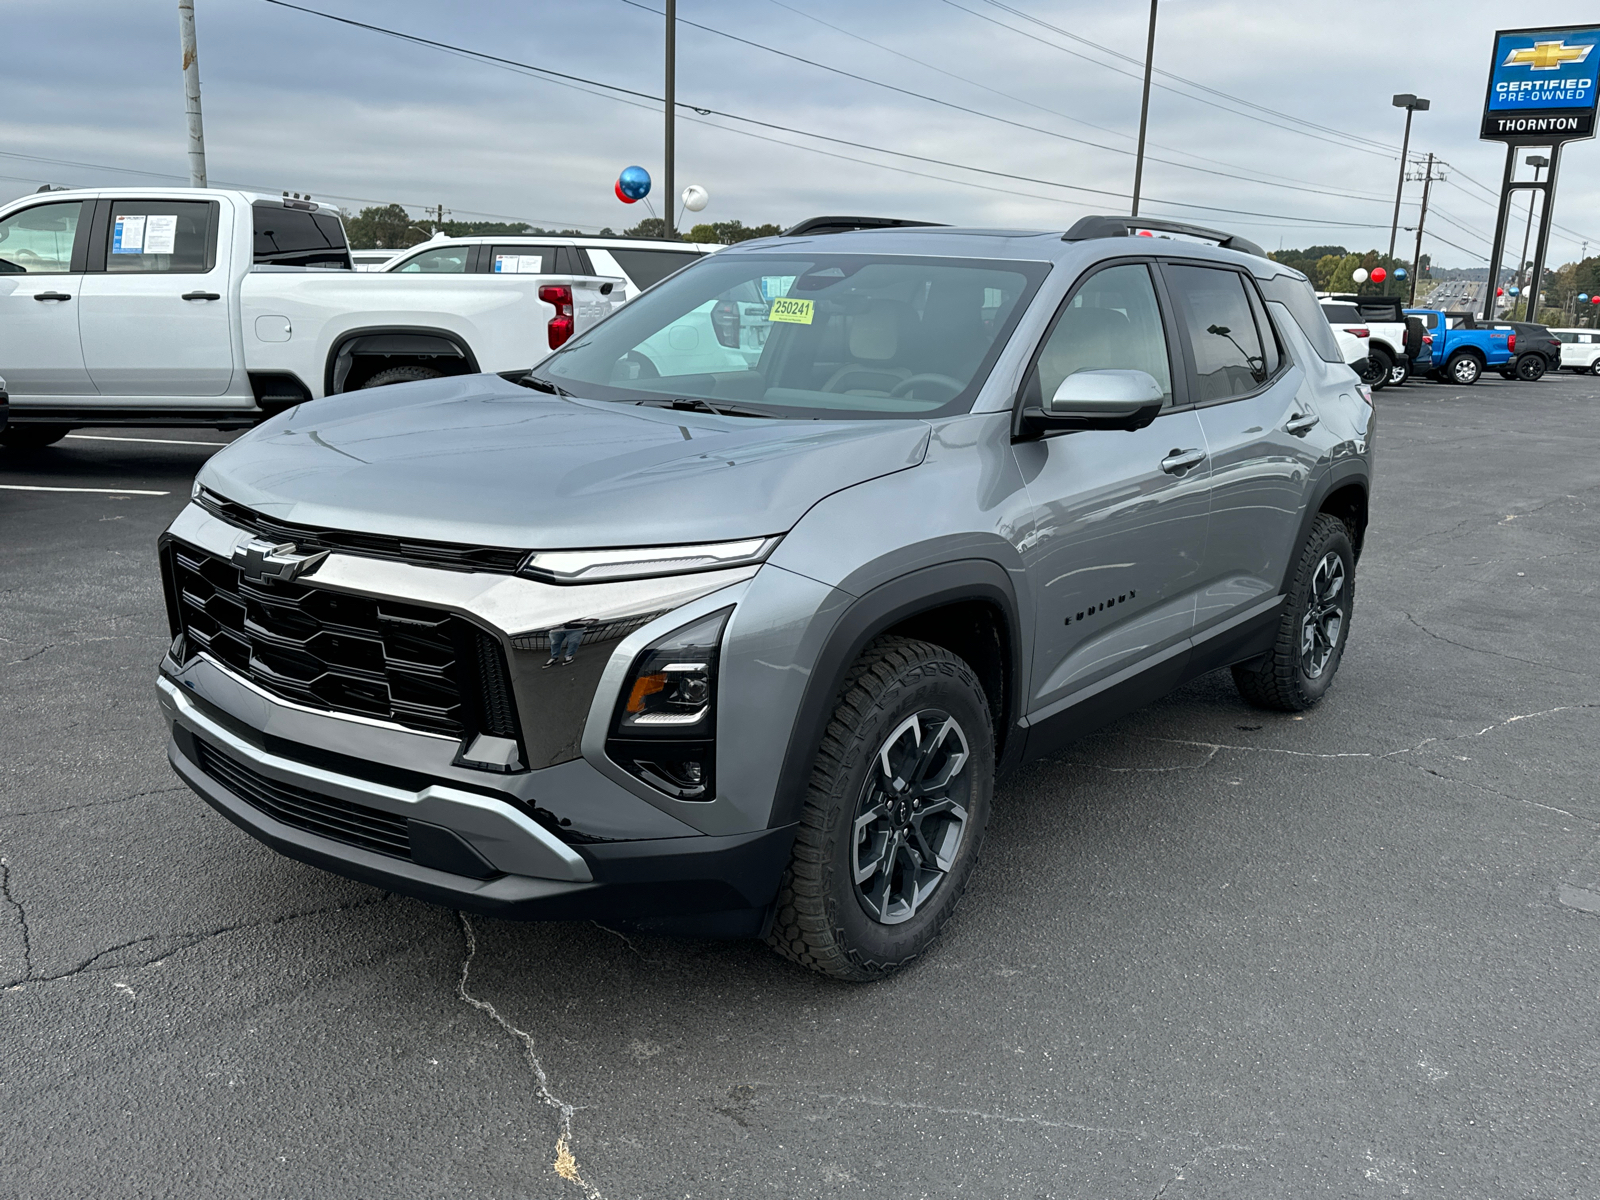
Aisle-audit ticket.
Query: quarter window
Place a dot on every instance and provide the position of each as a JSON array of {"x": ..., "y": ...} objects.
[
  {"x": 1229, "y": 357},
  {"x": 38, "y": 240},
  {"x": 1112, "y": 323},
  {"x": 160, "y": 237}
]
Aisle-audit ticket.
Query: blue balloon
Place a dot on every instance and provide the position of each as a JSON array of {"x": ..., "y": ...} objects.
[
  {"x": 1583, "y": 295},
  {"x": 1515, "y": 291},
  {"x": 1399, "y": 272},
  {"x": 635, "y": 182}
]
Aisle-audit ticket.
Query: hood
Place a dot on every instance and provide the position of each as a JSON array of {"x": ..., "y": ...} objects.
[{"x": 482, "y": 461}]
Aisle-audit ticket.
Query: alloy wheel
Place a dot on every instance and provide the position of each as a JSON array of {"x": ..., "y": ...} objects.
[
  {"x": 1324, "y": 617},
  {"x": 911, "y": 817}
]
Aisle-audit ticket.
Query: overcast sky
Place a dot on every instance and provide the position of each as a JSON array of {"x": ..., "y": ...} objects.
[{"x": 295, "y": 102}]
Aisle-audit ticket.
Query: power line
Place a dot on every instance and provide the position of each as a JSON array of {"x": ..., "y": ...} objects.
[
  {"x": 1165, "y": 87},
  {"x": 1315, "y": 189},
  {"x": 617, "y": 88}
]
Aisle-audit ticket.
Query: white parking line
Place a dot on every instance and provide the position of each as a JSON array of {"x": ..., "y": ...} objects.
[
  {"x": 100, "y": 437},
  {"x": 28, "y": 487}
]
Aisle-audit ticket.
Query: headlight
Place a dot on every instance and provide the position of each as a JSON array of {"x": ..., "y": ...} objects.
[
  {"x": 642, "y": 562},
  {"x": 664, "y": 728}
]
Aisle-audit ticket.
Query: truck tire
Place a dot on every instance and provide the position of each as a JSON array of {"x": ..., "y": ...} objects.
[
  {"x": 1463, "y": 368},
  {"x": 1297, "y": 672},
  {"x": 401, "y": 375},
  {"x": 1382, "y": 364},
  {"x": 32, "y": 437},
  {"x": 1531, "y": 368},
  {"x": 894, "y": 814}
]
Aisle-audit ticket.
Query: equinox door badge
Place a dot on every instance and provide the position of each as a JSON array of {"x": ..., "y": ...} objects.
[
  {"x": 261, "y": 560},
  {"x": 1103, "y": 605}
]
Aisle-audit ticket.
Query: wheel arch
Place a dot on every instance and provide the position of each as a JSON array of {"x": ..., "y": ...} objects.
[
  {"x": 968, "y": 606},
  {"x": 392, "y": 341}
]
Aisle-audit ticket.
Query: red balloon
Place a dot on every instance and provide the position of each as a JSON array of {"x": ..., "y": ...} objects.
[
  {"x": 1379, "y": 274},
  {"x": 1499, "y": 291},
  {"x": 623, "y": 196},
  {"x": 1594, "y": 299}
]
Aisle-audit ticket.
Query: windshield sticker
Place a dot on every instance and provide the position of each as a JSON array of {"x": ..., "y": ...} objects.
[
  {"x": 128, "y": 236},
  {"x": 160, "y": 233},
  {"x": 518, "y": 264},
  {"x": 791, "y": 311}
]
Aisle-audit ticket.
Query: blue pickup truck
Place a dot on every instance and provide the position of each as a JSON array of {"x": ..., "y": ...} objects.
[{"x": 1461, "y": 351}]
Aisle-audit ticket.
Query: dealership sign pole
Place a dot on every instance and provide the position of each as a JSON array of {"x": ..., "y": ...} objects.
[{"x": 1541, "y": 93}]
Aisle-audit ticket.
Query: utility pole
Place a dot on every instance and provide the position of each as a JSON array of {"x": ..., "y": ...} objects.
[
  {"x": 191, "y": 94},
  {"x": 439, "y": 213},
  {"x": 669, "y": 206},
  {"x": 1538, "y": 162},
  {"x": 1144, "y": 107},
  {"x": 1412, "y": 104},
  {"x": 1416, "y": 261}
]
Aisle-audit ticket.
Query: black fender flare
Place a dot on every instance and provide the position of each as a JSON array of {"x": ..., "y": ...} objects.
[
  {"x": 1336, "y": 477},
  {"x": 865, "y": 618},
  {"x": 390, "y": 339}
]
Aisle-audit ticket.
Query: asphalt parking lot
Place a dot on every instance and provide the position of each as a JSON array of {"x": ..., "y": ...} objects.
[{"x": 1210, "y": 952}]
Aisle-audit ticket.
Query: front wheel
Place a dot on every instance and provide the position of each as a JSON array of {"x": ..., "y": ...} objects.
[
  {"x": 1299, "y": 669},
  {"x": 1531, "y": 368},
  {"x": 1464, "y": 369},
  {"x": 894, "y": 816},
  {"x": 1594, "y": 367}
]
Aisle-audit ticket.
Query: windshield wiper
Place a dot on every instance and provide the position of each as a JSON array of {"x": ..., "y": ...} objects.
[
  {"x": 530, "y": 380},
  {"x": 696, "y": 404}
]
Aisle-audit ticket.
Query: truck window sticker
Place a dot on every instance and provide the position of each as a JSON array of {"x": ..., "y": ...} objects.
[{"x": 128, "y": 236}]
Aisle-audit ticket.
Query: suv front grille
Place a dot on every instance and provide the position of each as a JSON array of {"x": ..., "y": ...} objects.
[
  {"x": 418, "y": 667},
  {"x": 369, "y": 828}
]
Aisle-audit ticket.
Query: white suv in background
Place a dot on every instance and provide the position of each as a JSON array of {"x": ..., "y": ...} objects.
[
  {"x": 1580, "y": 350},
  {"x": 640, "y": 261}
]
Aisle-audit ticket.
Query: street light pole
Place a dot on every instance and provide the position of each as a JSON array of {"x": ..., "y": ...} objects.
[
  {"x": 1412, "y": 104},
  {"x": 669, "y": 206},
  {"x": 191, "y": 94},
  {"x": 1538, "y": 162},
  {"x": 1144, "y": 108}
]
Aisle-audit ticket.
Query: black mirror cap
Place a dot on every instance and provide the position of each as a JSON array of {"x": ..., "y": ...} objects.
[{"x": 1033, "y": 423}]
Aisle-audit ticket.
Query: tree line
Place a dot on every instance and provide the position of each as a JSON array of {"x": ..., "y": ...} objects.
[{"x": 391, "y": 227}]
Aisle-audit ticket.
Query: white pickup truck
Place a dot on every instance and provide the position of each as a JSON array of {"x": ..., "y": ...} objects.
[{"x": 180, "y": 306}]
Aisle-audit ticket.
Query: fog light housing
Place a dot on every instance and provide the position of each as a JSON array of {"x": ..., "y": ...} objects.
[{"x": 663, "y": 730}]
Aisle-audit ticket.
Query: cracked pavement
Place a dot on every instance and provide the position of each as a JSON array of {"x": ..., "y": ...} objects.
[{"x": 1210, "y": 951}]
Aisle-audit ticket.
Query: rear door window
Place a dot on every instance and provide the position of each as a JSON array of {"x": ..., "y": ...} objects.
[
  {"x": 524, "y": 260},
  {"x": 293, "y": 237},
  {"x": 38, "y": 240},
  {"x": 161, "y": 237},
  {"x": 648, "y": 267},
  {"x": 1214, "y": 311},
  {"x": 444, "y": 260}
]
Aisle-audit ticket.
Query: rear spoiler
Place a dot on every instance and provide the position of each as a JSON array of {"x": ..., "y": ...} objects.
[
  {"x": 1087, "y": 228},
  {"x": 815, "y": 225}
]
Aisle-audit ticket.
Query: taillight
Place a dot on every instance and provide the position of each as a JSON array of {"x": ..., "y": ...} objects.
[
  {"x": 1360, "y": 331},
  {"x": 559, "y": 296},
  {"x": 725, "y": 322},
  {"x": 1511, "y": 343},
  {"x": 1427, "y": 339}
]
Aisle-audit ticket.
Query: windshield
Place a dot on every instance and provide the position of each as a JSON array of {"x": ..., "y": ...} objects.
[{"x": 818, "y": 335}]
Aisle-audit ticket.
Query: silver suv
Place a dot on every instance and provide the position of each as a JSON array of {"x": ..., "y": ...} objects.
[{"x": 731, "y": 631}]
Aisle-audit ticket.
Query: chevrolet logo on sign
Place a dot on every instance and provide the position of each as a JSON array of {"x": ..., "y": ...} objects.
[
  {"x": 1547, "y": 56},
  {"x": 262, "y": 560}
]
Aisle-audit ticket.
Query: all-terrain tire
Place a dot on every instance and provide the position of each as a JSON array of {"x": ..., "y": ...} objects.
[
  {"x": 32, "y": 437},
  {"x": 1463, "y": 368},
  {"x": 402, "y": 375},
  {"x": 821, "y": 920},
  {"x": 1283, "y": 680},
  {"x": 1382, "y": 366}
]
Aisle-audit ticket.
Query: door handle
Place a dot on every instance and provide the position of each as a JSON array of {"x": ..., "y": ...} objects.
[
  {"x": 1178, "y": 461},
  {"x": 201, "y": 296},
  {"x": 1301, "y": 424},
  {"x": 51, "y": 296}
]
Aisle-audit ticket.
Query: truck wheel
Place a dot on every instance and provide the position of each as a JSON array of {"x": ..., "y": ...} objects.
[
  {"x": 1299, "y": 669},
  {"x": 894, "y": 815},
  {"x": 1463, "y": 368},
  {"x": 32, "y": 437},
  {"x": 402, "y": 375},
  {"x": 1531, "y": 368},
  {"x": 1400, "y": 372},
  {"x": 1382, "y": 365}
]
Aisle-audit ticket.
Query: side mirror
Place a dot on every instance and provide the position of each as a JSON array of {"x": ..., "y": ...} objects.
[{"x": 1105, "y": 394}]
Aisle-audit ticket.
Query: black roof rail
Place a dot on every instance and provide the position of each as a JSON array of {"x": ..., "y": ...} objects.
[
  {"x": 1086, "y": 228},
  {"x": 816, "y": 225}
]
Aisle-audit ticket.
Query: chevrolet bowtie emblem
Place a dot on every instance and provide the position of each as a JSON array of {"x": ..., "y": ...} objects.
[
  {"x": 1547, "y": 56},
  {"x": 261, "y": 560}
]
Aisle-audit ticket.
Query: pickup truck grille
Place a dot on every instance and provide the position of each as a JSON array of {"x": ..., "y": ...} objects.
[
  {"x": 418, "y": 667},
  {"x": 309, "y": 538}
]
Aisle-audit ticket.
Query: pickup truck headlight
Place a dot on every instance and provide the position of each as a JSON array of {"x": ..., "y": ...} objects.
[
  {"x": 664, "y": 728},
  {"x": 643, "y": 562}
]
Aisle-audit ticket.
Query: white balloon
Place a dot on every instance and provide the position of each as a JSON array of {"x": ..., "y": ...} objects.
[
  {"x": 695, "y": 197},
  {"x": 1359, "y": 274}
]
